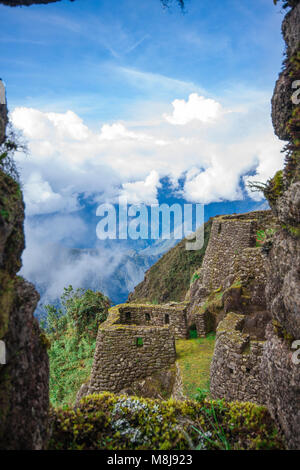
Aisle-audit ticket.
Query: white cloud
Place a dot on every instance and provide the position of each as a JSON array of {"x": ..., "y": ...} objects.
[
  {"x": 141, "y": 191},
  {"x": 40, "y": 197},
  {"x": 119, "y": 131},
  {"x": 197, "y": 108}
]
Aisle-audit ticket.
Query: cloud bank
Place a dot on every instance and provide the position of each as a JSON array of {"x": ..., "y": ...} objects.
[{"x": 209, "y": 145}]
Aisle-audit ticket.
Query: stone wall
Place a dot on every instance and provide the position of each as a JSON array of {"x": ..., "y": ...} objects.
[
  {"x": 236, "y": 364},
  {"x": 127, "y": 352},
  {"x": 230, "y": 234},
  {"x": 233, "y": 275},
  {"x": 157, "y": 315}
]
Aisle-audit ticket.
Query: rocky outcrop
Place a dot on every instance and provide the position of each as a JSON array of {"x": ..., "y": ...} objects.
[
  {"x": 3, "y": 112},
  {"x": 280, "y": 374},
  {"x": 24, "y": 375},
  {"x": 282, "y": 105},
  {"x": 281, "y": 379}
]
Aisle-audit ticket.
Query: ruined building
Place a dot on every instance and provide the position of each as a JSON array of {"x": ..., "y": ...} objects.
[{"x": 135, "y": 342}]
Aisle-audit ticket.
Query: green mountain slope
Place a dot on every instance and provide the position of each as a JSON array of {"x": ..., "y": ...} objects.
[{"x": 169, "y": 278}]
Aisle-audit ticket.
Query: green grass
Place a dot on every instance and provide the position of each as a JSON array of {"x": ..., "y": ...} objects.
[{"x": 194, "y": 357}]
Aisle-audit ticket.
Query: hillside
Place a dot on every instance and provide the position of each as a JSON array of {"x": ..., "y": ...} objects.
[{"x": 169, "y": 278}]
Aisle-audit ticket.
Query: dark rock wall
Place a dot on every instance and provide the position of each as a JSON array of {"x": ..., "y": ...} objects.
[
  {"x": 3, "y": 112},
  {"x": 280, "y": 374},
  {"x": 24, "y": 377},
  {"x": 282, "y": 105}
]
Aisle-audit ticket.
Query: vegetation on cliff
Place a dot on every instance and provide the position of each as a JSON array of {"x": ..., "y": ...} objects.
[
  {"x": 169, "y": 278},
  {"x": 71, "y": 332}
]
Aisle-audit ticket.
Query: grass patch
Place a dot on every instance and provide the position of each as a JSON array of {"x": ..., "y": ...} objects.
[{"x": 194, "y": 357}]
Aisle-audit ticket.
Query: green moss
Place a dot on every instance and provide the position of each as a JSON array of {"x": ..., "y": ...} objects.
[
  {"x": 6, "y": 300},
  {"x": 107, "y": 421},
  {"x": 282, "y": 333},
  {"x": 294, "y": 231}
]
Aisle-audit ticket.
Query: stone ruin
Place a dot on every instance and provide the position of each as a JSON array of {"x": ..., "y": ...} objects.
[
  {"x": 135, "y": 342},
  {"x": 229, "y": 297},
  {"x": 138, "y": 340}
]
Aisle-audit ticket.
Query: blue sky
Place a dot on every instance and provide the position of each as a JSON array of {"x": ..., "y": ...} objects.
[
  {"x": 125, "y": 98},
  {"x": 83, "y": 54}
]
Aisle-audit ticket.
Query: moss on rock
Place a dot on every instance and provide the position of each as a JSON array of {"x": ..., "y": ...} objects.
[{"x": 107, "y": 421}]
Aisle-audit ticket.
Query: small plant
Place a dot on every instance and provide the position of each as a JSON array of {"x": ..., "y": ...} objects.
[
  {"x": 195, "y": 277},
  {"x": 263, "y": 235},
  {"x": 201, "y": 394},
  {"x": 286, "y": 3},
  {"x": 13, "y": 143}
]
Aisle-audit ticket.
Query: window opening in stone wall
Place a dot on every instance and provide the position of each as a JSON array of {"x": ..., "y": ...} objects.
[
  {"x": 167, "y": 318},
  {"x": 139, "y": 342},
  {"x": 220, "y": 229},
  {"x": 127, "y": 316},
  {"x": 147, "y": 316}
]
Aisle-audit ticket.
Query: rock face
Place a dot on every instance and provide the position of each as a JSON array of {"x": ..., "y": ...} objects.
[
  {"x": 282, "y": 104},
  {"x": 24, "y": 375},
  {"x": 280, "y": 374},
  {"x": 3, "y": 111}
]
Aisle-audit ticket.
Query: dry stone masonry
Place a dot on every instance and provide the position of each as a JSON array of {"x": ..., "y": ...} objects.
[
  {"x": 229, "y": 236},
  {"x": 236, "y": 364},
  {"x": 229, "y": 298},
  {"x": 135, "y": 342},
  {"x": 232, "y": 276}
]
